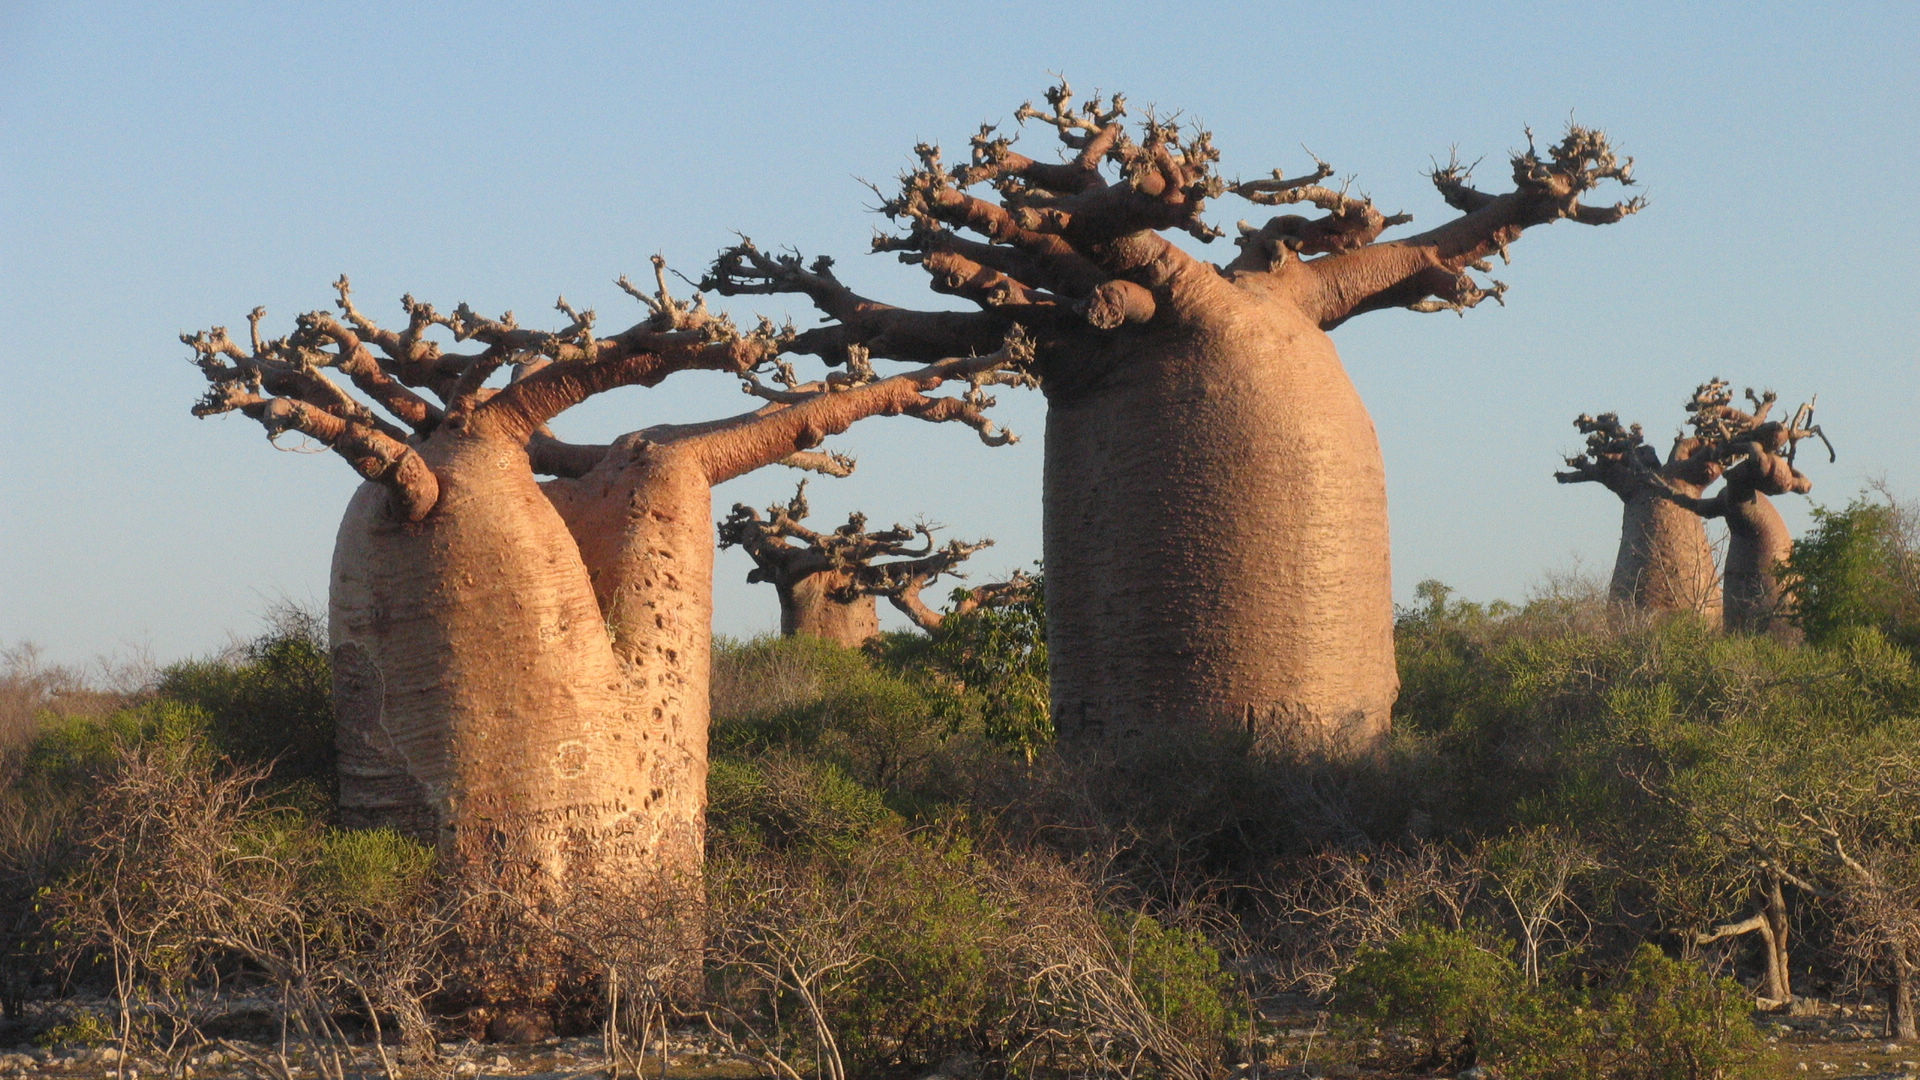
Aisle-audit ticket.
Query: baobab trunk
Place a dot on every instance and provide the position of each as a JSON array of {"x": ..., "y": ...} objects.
[
  {"x": 1757, "y": 538},
  {"x": 1216, "y": 527},
  {"x": 1216, "y": 536},
  {"x": 810, "y": 606},
  {"x": 640, "y": 521},
  {"x": 1757, "y": 544},
  {"x": 1665, "y": 561},
  {"x": 472, "y": 629}
]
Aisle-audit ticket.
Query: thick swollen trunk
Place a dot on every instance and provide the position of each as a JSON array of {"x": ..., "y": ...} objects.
[
  {"x": 1665, "y": 562},
  {"x": 809, "y": 607},
  {"x": 1757, "y": 543},
  {"x": 477, "y": 700},
  {"x": 1216, "y": 539},
  {"x": 642, "y": 519}
]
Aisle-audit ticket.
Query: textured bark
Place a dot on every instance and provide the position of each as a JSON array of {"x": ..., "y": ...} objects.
[
  {"x": 640, "y": 521},
  {"x": 1757, "y": 544},
  {"x": 1216, "y": 537},
  {"x": 1901, "y": 1025},
  {"x": 477, "y": 703},
  {"x": 1216, "y": 534},
  {"x": 812, "y": 606},
  {"x": 1665, "y": 562}
]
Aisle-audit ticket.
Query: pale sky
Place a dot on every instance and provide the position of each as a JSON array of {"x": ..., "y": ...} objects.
[{"x": 166, "y": 167}]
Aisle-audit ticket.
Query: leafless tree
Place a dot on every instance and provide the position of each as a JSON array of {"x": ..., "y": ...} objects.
[
  {"x": 828, "y": 581},
  {"x": 1216, "y": 526},
  {"x": 1665, "y": 562}
]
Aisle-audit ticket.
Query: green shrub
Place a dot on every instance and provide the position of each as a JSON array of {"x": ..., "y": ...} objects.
[
  {"x": 998, "y": 655},
  {"x": 1177, "y": 974},
  {"x": 883, "y": 728},
  {"x": 272, "y": 706},
  {"x": 1673, "y": 1021},
  {"x": 82, "y": 1027},
  {"x": 783, "y": 801},
  {"x": 73, "y": 753},
  {"x": 1440, "y": 987},
  {"x": 1857, "y": 567}
]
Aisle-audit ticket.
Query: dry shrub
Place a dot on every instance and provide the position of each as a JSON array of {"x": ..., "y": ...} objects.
[
  {"x": 1324, "y": 909},
  {"x": 906, "y": 951},
  {"x": 187, "y": 882},
  {"x": 31, "y": 691}
]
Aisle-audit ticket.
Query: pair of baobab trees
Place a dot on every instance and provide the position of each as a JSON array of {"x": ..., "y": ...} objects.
[
  {"x": 521, "y": 664},
  {"x": 1665, "y": 562}
]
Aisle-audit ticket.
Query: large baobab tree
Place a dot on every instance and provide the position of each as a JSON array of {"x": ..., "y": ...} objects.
[
  {"x": 1665, "y": 562},
  {"x": 828, "y": 581},
  {"x": 1758, "y": 457},
  {"x": 521, "y": 669},
  {"x": 1215, "y": 524}
]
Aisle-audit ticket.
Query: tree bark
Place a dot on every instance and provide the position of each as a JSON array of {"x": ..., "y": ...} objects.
[
  {"x": 1665, "y": 562},
  {"x": 474, "y": 628},
  {"x": 1216, "y": 536},
  {"x": 1757, "y": 543},
  {"x": 640, "y": 519},
  {"x": 1901, "y": 1024},
  {"x": 808, "y": 606},
  {"x": 1776, "y": 933}
]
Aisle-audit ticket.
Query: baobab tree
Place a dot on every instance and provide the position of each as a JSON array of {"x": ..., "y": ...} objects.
[
  {"x": 1215, "y": 504},
  {"x": 521, "y": 669},
  {"x": 1665, "y": 562},
  {"x": 1758, "y": 457},
  {"x": 828, "y": 581}
]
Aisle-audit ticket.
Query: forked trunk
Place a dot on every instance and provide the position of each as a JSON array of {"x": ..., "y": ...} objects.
[
  {"x": 1216, "y": 537},
  {"x": 1757, "y": 543},
  {"x": 478, "y": 700},
  {"x": 1665, "y": 562},
  {"x": 808, "y": 606}
]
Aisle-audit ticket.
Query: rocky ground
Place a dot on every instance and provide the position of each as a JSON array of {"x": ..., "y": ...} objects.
[{"x": 1829, "y": 1041}]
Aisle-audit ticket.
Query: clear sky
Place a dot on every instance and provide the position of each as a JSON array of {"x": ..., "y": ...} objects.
[{"x": 165, "y": 167}]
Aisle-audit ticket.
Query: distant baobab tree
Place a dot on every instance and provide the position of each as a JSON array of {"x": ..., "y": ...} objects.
[
  {"x": 521, "y": 670},
  {"x": 1665, "y": 562},
  {"x": 1215, "y": 504},
  {"x": 1758, "y": 456},
  {"x": 827, "y": 581}
]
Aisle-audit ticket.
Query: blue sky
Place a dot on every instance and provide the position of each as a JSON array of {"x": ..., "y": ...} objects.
[{"x": 167, "y": 167}]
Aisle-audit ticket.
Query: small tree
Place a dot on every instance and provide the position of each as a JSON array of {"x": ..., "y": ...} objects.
[
  {"x": 827, "y": 581},
  {"x": 1665, "y": 562}
]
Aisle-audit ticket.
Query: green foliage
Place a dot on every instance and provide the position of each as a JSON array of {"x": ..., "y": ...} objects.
[
  {"x": 1857, "y": 568},
  {"x": 80, "y": 1028},
  {"x": 1177, "y": 974},
  {"x": 882, "y": 728},
  {"x": 273, "y": 706},
  {"x": 1674, "y": 1021},
  {"x": 72, "y": 753},
  {"x": 935, "y": 983},
  {"x": 781, "y": 801},
  {"x": 372, "y": 869},
  {"x": 1441, "y": 987},
  {"x": 1000, "y": 653}
]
